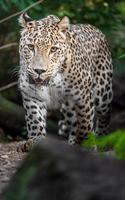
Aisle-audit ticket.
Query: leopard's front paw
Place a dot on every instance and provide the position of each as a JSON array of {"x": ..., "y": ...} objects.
[{"x": 25, "y": 146}]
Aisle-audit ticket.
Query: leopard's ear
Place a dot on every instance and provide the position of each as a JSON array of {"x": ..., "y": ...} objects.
[
  {"x": 64, "y": 24},
  {"x": 24, "y": 19}
]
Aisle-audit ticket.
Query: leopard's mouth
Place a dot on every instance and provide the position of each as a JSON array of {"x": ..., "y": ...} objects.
[{"x": 38, "y": 81}]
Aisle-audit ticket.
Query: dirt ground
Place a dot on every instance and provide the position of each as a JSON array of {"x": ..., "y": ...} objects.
[{"x": 10, "y": 159}]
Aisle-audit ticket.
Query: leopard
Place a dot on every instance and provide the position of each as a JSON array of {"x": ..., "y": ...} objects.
[{"x": 67, "y": 67}]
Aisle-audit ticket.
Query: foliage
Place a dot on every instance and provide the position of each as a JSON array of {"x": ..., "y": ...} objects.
[
  {"x": 114, "y": 141},
  {"x": 107, "y": 15}
]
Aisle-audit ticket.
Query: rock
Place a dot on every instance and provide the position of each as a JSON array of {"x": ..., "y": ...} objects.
[{"x": 54, "y": 170}]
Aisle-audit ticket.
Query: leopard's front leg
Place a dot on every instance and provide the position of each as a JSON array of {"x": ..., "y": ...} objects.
[
  {"x": 35, "y": 116},
  {"x": 85, "y": 116}
]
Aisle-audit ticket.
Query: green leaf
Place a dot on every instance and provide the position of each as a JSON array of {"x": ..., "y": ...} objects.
[
  {"x": 90, "y": 141},
  {"x": 122, "y": 56},
  {"x": 4, "y": 6},
  {"x": 115, "y": 141}
]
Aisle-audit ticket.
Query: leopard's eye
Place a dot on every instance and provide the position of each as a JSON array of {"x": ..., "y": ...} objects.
[
  {"x": 53, "y": 49},
  {"x": 31, "y": 47}
]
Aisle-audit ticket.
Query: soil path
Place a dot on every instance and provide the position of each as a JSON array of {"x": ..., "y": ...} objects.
[{"x": 9, "y": 162}]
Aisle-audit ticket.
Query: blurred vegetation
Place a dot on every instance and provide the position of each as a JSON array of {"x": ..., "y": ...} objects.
[{"x": 114, "y": 142}]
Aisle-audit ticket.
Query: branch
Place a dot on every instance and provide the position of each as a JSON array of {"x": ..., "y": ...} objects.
[
  {"x": 18, "y": 13},
  {"x": 8, "y": 45},
  {"x": 6, "y": 87}
]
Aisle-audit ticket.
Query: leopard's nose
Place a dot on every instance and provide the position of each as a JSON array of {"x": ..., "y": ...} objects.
[{"x": 39, "y": 71}]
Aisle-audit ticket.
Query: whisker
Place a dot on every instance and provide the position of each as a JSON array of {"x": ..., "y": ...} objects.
[
  {"x": 14, "y": 72},
  {"x": 15, "y": 69}
]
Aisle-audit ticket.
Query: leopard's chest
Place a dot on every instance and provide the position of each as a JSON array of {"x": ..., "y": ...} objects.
[{"x": 53, "y": 93}]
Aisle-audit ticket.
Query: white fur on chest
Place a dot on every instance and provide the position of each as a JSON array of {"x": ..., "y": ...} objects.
[{"x": 53, "y": 94}]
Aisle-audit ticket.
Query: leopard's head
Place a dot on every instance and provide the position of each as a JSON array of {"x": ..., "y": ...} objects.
[{"x": 43, "y": 46}]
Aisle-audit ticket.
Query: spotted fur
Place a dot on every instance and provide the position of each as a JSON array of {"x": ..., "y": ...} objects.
[{"x": 68, "y": 67}]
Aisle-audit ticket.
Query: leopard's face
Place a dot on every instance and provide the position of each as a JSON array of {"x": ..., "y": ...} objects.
[{"x": 43, "y": 48}]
